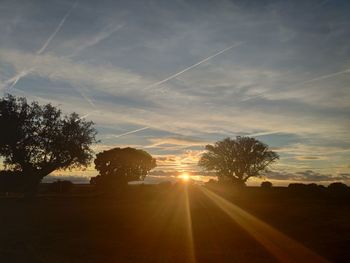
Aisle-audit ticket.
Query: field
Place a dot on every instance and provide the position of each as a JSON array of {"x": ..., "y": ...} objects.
[{"x": 168, "y": 224}]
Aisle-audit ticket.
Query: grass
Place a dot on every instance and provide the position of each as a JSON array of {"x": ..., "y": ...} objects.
[{"x": 151, "y": 224}]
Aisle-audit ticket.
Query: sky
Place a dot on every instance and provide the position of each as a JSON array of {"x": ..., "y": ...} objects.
[{"x": 170, "y": 77}]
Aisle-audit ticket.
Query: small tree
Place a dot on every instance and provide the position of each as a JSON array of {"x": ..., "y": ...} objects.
[
  {"x": 119, "y": 166},
  {"x": 266, "y": 185},
  {"x": 36, "y": 140},
  {"x": 236, "y": 160}
]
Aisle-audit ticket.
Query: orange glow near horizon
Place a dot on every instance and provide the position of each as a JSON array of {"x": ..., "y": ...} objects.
[{"x": 185, "y": 177}]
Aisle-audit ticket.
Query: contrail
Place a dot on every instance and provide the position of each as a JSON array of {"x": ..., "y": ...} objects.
[
  {"x": 130, "y": 132},
  {"x": 87, "y": 114},
  {"x": 25, "y": 72},
  {"x": 305, "y": 82},
  {"x": 194, "y": 65},
  {"x": 58, "y": 28},
  {"x": 97, "y": 39},
  {"x": 323, "y": 77},
  {"x": 85, "y": 97},
  {"x": 13, "y": 81},
  {"x": 263, "y": 133}
]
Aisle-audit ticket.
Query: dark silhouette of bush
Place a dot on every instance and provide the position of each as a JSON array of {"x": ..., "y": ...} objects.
[
  {"x": 266, "y": 185},
  {"x": 94, "y": 180},
  {"x": 297, "y": 186},
  {"x": 338, "y": 187},
  {"x": 61, "y": 187},
  {"x": 211, "y": 182},
  {"x": 312, "y": 186},
  {"x": 321, "y": 187},
  {"x": 307, "y": 190}
]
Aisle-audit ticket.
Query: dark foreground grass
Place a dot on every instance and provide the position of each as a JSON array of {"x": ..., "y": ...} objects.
[{"x": 151, "y": 224}]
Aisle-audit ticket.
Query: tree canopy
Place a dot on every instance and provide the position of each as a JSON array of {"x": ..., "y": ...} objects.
[
  {"x": 37, "y": 139},
  {"x": 237, "y": 160},
  {"x": 122, "y": 165}
]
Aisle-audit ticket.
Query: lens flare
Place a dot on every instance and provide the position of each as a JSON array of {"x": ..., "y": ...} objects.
[{"x": 185, "y": 177}]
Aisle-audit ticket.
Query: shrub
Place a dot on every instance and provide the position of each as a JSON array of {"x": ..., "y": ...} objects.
[
  {"x": 211, "y": 182},
  {"x": 61, "y": 186},
  {"x": 297, "y": 186},
  {"x": 338, "y": 187},
  {"x": 266, "y": 184}
]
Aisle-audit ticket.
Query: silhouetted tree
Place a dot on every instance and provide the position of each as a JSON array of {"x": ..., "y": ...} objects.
[
  {"x": 119, "y": 166},
  {"x": 266, "y": 184},
  {"x": 236, "y": 160},
  {"x": 36, "y": 140},
  {"x": 338, "y": 187}
]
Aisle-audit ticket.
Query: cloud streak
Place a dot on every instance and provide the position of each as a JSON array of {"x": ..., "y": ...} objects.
[
  {"x": 104, "y": 34},
  {"x": 131, "y": 132},
  {"x": 323, "y": 77},
  {"x": 58, "y": 28},
  {"x": 13, "y": 81},
  {"x": 194, "y": 65}
]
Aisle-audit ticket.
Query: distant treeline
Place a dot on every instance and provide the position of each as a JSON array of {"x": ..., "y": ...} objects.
[
  {"x": 37, "y": 140},
  {"x": 335, "y": 187},
  {"x": 14, "y": 182}
]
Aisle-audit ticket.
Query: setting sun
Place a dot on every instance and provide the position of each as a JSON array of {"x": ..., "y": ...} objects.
[{"x": 185, "y": 177}]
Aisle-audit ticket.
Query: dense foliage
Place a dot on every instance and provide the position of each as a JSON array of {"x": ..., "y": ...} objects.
[
  {"x": 236, "y": 160},
  {"x": 119, "y": 166},
  {"x": 36, "y": 140}
]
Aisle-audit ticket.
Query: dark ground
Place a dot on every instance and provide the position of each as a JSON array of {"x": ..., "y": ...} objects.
[{"x": 150, "y": 224}]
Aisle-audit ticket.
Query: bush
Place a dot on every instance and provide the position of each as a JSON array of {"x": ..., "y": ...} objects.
[
  {"x": 266, "y": 184},
  {"x": 61, "y": 186},
  {"x": 211, "y": 182},
  {"x": 338, "y": 187},
  {"x": 297, "y": 186},
  {"x": 108, "y": 183}
]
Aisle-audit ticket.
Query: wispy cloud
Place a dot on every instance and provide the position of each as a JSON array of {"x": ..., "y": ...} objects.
[
  {"x": 131, "y": 132},
  {"x": 110, "y": 73},
  {"x": 58, "y": 28},
  {"x": 175, "y": 143},
  {"x": 263, "y": 133},
  {"x": 97, "y": 38},
  {"x": 13, "y": 81},
  {"x": 326, "y": 76},
  {"x": 194, "y": 65},
  {"x": 300, "y": 84}
]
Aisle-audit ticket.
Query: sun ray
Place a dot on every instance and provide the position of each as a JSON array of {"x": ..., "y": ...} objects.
[
  {"x": 282, "y": 247},
  {"x": 190, "y": 241}
]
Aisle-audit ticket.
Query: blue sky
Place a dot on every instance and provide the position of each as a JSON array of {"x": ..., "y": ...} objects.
[{"x": 276, "y": 70}]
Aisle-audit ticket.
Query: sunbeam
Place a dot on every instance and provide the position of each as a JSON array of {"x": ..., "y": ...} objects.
[
  {"x": 285, "y": 249},
  {"x": 190, "y": 245}
]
